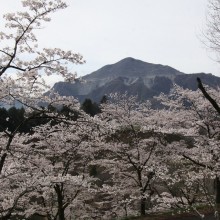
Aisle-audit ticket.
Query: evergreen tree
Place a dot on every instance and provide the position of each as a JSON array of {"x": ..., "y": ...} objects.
[{"x": 91, "y": 108}]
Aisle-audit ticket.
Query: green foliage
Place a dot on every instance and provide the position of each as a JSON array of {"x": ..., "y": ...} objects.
[
  {"x": 90, "y": 107},
  {"x": 11, "y": 119},
  {"x": 69, "y": 113},
  {"x": 14, "y": 118},
  {"x": 104, "y": 99}
]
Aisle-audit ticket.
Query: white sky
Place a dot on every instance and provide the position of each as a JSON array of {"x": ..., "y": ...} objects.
[{"x": 105, "y": 31}]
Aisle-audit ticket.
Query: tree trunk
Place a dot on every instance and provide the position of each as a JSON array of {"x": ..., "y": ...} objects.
[
  {"x": 2, "y": 161},
  {"x": 143, "y": 205},
  {"x": 217, "y": 191},
  {"x": 61, "y": 209}
]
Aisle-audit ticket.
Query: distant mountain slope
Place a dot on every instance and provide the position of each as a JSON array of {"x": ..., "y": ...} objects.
[
  {"x": 129, "y": 67},
  {"x": 189, "y": 80},
  {"x": 134, "y": 76}
]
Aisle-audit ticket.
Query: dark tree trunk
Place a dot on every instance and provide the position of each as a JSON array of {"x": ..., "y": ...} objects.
[
  {"x": 143, "y": 206},
  {"x": 217, "y": 191},
  {"x": 207, "y": 96},
  {"x": 2, "y": 161},
  {"x": 61, "y": 209}
]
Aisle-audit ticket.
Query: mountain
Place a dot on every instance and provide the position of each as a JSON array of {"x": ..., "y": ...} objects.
[{"x": 134, "y": 77}]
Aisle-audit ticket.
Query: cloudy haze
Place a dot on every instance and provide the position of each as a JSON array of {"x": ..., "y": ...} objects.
[{"x": 105, "y": 31}]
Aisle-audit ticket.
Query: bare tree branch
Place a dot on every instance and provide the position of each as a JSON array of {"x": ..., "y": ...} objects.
[{"x": 207, "y": 96}]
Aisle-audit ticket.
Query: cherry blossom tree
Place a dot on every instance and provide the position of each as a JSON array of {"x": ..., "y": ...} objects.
[
  {"x": 16, "y": 182},
  {"x": 20, "y": 53},
  {"x": 191, "y": 115},
  {"x": 20, "y": 41},
  {"x": 133, "y": 154},
  {"x": 62, "y": 154},
  {"x": 186, "y": 186},
  {"x": 47, "y": 172},
  {"x": 22, "y": 67}
]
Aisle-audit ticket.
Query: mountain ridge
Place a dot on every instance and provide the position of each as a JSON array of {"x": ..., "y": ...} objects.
[{"x": 133, "y": 76}]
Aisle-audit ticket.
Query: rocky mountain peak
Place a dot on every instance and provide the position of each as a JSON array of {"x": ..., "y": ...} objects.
[
  {"x": 130, "y": 67},
  {"x": 134, "y": 76}
]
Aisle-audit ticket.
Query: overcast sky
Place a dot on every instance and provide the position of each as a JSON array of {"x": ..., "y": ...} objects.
[{"x": 167, "y": 32}]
